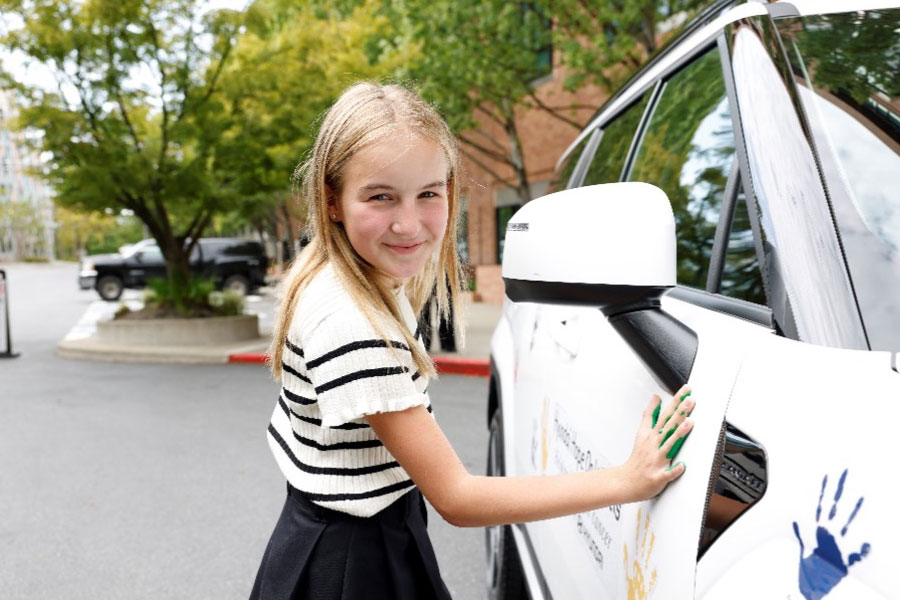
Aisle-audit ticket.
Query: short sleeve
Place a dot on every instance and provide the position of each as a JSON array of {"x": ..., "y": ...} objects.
[{"x": 355, "y": 373}]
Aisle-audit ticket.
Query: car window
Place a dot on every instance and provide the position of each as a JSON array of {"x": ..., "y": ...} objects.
[
  {"x": 615, "y": 140},
  {"x": 151, "y": 254},
  {"x": 847, "y": 66},
  {"x": 741, "y": 277},
  {"x": 687, "y": 151},
  {"x": 213, "y": 248},
  {"x": 567, "y": 168}
]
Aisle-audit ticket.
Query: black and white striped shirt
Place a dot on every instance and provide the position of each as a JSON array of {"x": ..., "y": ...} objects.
[{"x": 336, "y": 369}]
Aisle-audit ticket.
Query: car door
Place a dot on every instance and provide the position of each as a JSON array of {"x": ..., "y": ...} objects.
[
  {"x": 584, "y": 410},
  {"x": 146, "y": 263}
]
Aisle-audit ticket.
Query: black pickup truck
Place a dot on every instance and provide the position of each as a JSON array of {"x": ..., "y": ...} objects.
[{"x": 234, "y": 264}]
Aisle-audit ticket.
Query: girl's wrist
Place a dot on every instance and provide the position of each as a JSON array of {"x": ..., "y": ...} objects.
[{"x": 621, "y": 485}]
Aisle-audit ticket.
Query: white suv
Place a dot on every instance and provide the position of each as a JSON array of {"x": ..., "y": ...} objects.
[{"x": 730, "y": 219}]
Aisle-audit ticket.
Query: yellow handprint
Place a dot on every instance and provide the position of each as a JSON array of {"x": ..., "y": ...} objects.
[{"x": 640, "y": 587}]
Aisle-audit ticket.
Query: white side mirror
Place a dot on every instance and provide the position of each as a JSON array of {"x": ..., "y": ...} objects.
[
  {"x": 611, "y": 246},
  {"x": 593, "y": 243}
]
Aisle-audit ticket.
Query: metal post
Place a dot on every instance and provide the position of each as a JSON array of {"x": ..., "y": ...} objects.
[{"x": 4, "y": 298}]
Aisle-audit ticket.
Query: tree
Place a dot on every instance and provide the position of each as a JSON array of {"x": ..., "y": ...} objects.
[
  {"x": 133, "y": 123},
  {"x": 79, "y": 233},
  {"x": 288, "y": 67},
  {"x": 481, "y": 60},
  {"x": 479, "y": 63},
  {"x": 604, "y": 42}
]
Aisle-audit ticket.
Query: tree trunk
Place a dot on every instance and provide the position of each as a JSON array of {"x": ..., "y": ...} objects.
[
  {"x": 517, "y": 157},
  {"x": 178, "y": 271}
]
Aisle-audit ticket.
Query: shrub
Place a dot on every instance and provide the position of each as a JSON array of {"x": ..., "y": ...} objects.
[{"x": 201, "y": 299}]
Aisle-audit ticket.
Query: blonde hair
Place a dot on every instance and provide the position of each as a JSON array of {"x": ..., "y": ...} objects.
[{"x": 363, "y": 114}]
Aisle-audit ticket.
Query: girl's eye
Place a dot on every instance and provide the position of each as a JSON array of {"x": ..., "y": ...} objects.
[
  {"x": 428, "y": 195},
  {"x": 379, "y": 197}
]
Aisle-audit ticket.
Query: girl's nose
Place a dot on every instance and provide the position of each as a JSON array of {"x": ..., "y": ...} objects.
[{"x": 406, "y": 219}]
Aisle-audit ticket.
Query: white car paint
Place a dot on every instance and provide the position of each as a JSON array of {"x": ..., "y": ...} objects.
[{"x": 817, "y": 411}]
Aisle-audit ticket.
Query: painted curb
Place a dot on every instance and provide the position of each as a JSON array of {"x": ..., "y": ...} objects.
[
  {"x": 452, "y": 365},
  {"x": 248, "y": 357},
  {"x": 456, "y": 365}
]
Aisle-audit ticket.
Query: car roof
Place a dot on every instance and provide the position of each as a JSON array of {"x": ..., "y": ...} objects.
[{"x": 702, "y": 30}]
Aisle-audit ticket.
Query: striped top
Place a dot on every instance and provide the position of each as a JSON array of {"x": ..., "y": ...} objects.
[{"x": 336, "y": 369}]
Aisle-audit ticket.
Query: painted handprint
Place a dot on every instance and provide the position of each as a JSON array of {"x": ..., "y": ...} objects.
[
  {"x": 641, "y": 578},
  {"x": 825, "y": 567}
]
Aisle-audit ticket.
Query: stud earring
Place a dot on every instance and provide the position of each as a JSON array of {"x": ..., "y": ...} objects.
[{"x": 333, "y": 217}]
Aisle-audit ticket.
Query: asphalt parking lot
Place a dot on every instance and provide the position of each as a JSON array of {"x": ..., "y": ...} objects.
[{"x": 155, "y": 481}]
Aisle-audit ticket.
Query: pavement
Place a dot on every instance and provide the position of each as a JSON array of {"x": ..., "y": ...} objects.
[{"x": 81, "y": 341}]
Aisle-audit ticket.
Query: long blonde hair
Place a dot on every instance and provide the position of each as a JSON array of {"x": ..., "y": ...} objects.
[{"x": 363, "y": 114}]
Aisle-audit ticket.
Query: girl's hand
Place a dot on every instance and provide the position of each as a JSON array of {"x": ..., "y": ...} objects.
[{"x": 648, "y": 470}]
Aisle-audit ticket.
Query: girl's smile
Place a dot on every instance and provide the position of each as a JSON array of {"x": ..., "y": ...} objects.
[{"x": 394, "y": 203}]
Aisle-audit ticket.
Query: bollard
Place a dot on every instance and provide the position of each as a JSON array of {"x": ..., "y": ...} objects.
[{"x": 4, "y": 299}]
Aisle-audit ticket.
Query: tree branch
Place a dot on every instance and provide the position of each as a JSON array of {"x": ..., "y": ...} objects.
[
  {"x": 117, "y": 92},
  {"x": 481, "y": 164},
  {"x": 552, "y": 112},
  {"x": 503, "y": 158}
]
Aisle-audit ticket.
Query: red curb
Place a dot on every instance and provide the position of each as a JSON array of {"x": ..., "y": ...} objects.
[
  {"x": 249, "y": 357},
  {"x": 455, "y": 365},
  {"x": 452, "y": 365}
]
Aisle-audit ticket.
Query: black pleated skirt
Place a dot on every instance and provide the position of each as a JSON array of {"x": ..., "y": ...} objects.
[{"x": 320, "y": 554}]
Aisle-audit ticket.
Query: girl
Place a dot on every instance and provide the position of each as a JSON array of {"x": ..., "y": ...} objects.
[{"x": 352, "y": 430}]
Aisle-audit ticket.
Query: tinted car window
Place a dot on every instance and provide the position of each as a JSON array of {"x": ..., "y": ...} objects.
[
  {"x": 741, "y": 277},
  {"x": 567, "y": 168},
  {"x": 615, "y": 140},
  {"x": 848, "y": 70},
  {"x": 151, "y": 254},
  {"x": 687, "y": 151}
]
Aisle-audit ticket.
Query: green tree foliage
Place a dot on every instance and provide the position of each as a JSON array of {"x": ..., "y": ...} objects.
[
  {"x": 79, "y": 233},
  {"x": 851, "y": 54},
  {"x": 482, "y": 58},
  {"x": 134, "y": 122},
  {"x": 289, "y": 65},
  {"x": 605, "y": 41}
]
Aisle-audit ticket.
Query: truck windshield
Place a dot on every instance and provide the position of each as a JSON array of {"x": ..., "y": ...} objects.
[{"x": 847, "y": 67}]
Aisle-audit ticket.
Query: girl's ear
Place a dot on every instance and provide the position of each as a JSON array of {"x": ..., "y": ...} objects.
[{"x": 333, "y": 206}]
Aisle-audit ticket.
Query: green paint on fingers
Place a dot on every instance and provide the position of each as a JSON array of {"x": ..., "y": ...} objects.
[
  {"x": 667, "y": 436},
  {"x": 655, "y": 415},
  {"x": 675, "y": 466},
  {"x": 683, "y": 397},
  {"x": 673, "y": 452}
]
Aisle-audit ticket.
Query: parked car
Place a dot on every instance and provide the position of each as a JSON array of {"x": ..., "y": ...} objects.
[
  {"x": 234, "y": 264},
  {"x": 730, "y": 219}
]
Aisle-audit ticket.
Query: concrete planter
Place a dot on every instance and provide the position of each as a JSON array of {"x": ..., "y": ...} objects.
[{"x": 210, "y": 331}]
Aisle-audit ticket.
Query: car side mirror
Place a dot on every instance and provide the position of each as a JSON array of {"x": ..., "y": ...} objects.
[{"x": 611, "y": 246}]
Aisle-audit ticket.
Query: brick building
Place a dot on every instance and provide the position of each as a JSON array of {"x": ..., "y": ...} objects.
[{"x": 490, "y": 202}]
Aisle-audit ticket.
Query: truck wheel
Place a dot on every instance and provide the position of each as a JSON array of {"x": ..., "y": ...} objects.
[
  {"x": 504, "y": 571},
  {"x": 237, "y": 283},
  {"x": 110, "y": 287}
]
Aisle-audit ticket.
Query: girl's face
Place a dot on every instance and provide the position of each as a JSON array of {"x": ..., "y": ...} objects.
[{"x": 394, "y": 203}]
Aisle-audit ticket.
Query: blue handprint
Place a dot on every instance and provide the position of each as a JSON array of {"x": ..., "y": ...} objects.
[{"x": 824, "y": 568}]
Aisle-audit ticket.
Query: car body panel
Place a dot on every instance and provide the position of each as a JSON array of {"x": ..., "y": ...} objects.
[
  {"x": 564, "y": 424},
  {"x": 818, "y": 412},
  {"x": 802, "y": 385}
]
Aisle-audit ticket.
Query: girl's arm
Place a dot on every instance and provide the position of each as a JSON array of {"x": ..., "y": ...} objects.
[{"x": 413, "y": 437}]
